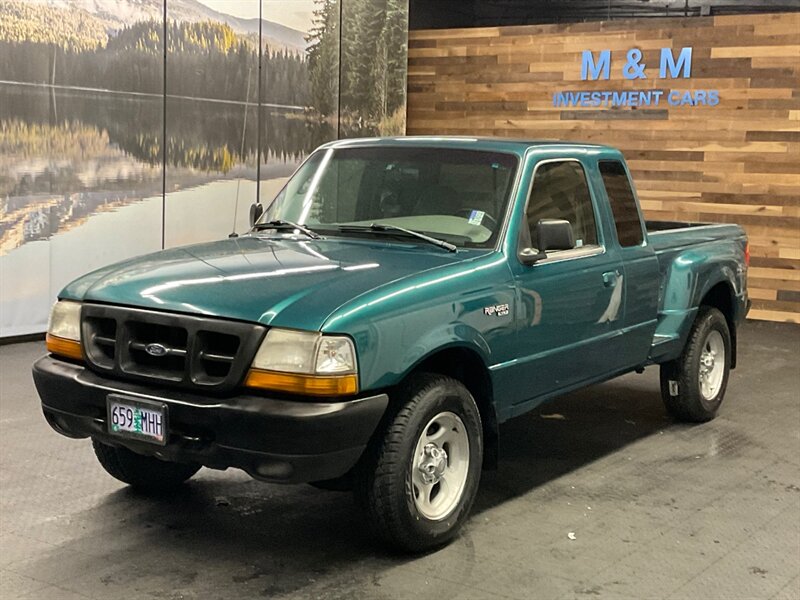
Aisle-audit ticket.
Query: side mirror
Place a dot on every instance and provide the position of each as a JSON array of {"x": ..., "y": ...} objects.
[
  {"x": 549, "y": 234},
  {"x": 554, "y": 234},
  {"x": 256, "y": 210}
]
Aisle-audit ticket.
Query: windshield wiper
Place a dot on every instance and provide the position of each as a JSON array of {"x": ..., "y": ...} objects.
[
  {"x": 281, "y": 224},
  {"x": 383, "y": 227}
]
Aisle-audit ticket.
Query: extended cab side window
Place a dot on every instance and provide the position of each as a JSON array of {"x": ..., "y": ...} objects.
[
  {"x": 623, "y": 203},
  {"x": 560, "y": 191}
]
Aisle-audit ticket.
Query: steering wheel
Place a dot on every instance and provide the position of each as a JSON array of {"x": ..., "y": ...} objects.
[{"x": 487, "y": 221}]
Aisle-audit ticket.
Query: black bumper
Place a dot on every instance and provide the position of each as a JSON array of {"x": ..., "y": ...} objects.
[{"x": 288, "y": 441}]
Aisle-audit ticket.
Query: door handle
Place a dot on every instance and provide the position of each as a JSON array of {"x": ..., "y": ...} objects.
[{"x": 610, "y": 278}]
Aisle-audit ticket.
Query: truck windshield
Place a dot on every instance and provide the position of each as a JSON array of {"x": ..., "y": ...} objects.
[{"x": 458, "y": 196}]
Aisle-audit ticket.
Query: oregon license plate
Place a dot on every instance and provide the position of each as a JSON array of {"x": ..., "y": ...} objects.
[{"x": 137, "y": 419}]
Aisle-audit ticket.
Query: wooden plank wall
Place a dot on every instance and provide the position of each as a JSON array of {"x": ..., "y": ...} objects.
[{"x": 737, "y": 162}]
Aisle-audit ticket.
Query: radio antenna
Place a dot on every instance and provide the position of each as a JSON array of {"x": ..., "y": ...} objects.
[{"x": 233, "y": 233}]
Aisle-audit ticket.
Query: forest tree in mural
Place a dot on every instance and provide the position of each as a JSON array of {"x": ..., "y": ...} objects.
[
  {"x": 132, "y": 59},
  {"x": 373, "y": 70}
]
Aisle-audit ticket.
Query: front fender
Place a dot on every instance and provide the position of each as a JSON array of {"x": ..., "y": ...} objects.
[
  {"x": 397, "y": 327},
  {"x": 451, "y": 336},
  {"x": 391, "y": 348}
]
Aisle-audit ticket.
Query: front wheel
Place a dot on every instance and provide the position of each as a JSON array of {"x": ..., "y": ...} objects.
[
  {"x": 693, "y": 385},
  {"x": 143, "y": 472},
  {"x": 419, "y": 481}
]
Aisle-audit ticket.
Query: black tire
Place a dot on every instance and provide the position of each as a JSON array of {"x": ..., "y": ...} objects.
[
  {"x": 143, "y": 472},
  {"x": 383, "y": 481},
  {"x": 680, "y": 378}
]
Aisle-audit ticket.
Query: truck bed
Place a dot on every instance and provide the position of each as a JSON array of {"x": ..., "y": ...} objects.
[
  {"x": 689, "y": 255},
  {"x": 676, "y": 235}
]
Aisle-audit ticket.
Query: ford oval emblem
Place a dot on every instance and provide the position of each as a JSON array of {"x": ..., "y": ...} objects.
[{"x": 156, "y": 349}]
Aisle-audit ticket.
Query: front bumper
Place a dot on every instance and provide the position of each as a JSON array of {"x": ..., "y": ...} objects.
[{"x": 280, "y": 440}]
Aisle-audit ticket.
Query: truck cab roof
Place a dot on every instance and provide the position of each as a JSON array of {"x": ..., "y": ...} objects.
[{"x": 509, "y": 145}]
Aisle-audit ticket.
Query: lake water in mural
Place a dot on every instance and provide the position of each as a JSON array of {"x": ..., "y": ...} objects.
[{"x": 81, "y": 180}]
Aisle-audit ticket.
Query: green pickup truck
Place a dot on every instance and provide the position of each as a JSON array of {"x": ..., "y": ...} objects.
[{"x": 395, "y": 302}]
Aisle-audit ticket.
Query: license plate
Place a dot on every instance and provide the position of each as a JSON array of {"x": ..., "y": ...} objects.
[{"x": 137, "y": 419}]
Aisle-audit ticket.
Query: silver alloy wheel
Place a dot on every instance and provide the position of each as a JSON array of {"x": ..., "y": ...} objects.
[
  {"x": 712, "y": 365},
  {"x": 439, "y": 466}
]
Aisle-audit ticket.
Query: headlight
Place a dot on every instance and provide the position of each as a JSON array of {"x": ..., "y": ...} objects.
[
  {"x": 305, "y": 362},
  {"x": 64, "y": 330},
  {"x": 287, "y": 351}
]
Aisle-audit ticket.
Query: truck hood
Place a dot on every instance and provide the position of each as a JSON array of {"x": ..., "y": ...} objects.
[{"x": 274, "y": 281}]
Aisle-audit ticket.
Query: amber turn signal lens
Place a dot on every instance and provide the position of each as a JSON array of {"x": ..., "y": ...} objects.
[
  {"x": 311, "y": 385},
  {"x": 64, "y": 347}
]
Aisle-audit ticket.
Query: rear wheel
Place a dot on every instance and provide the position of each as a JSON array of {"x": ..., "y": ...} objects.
[
  {"x": 144, "y": 472},
  {"x": 693, "y": 385},
  {"x": 417, "y": 484}
]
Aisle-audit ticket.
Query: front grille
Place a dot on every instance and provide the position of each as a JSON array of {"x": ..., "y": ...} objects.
[{"x": 182, "y": 350}]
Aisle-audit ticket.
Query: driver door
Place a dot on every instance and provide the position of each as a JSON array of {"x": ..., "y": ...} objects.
[{"x": 571, "y": 303}]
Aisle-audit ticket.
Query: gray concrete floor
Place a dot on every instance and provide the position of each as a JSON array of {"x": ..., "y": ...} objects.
[{"x": 658, "y": 509}]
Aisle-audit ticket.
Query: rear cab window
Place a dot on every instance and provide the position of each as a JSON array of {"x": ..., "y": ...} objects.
[{"x": 623, "y": 203}]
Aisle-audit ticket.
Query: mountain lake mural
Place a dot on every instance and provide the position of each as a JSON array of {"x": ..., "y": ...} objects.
[{"x": 98, "y": 164}]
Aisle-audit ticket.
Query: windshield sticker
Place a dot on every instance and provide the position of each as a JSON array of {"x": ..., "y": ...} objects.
[{"x": 476, "y": 217}]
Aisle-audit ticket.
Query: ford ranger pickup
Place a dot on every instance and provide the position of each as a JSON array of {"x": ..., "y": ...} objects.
[{"x": 389, "y": 308}]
